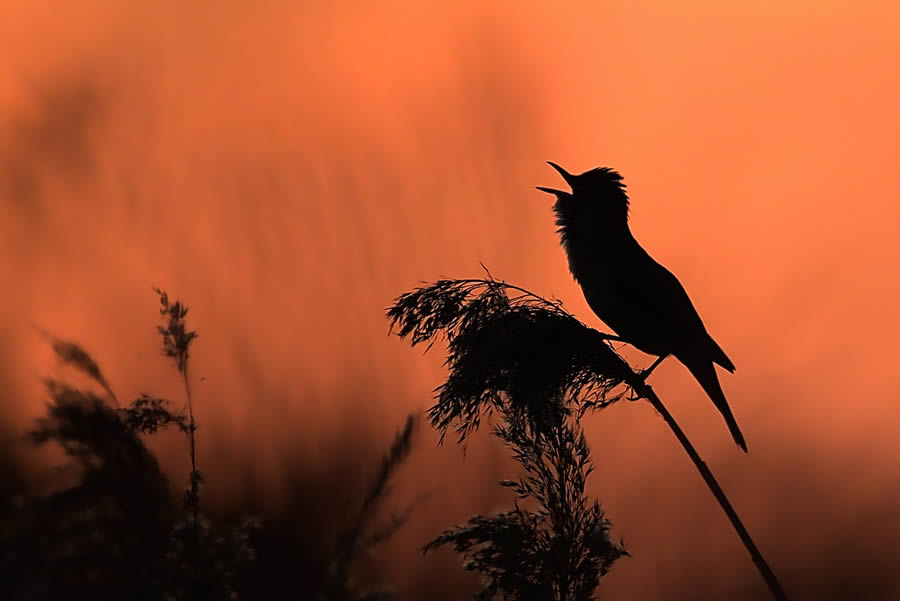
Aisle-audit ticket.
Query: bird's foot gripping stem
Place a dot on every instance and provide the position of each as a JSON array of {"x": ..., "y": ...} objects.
[
  {"x": 645, "y": 373},
  {"x": 642, "y": 377},
  {"x": 633, "y": 396},
  {"x": 611, "y": 337}
]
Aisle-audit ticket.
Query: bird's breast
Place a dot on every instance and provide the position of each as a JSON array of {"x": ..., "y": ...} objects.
[{"x": 622, "y": 301}]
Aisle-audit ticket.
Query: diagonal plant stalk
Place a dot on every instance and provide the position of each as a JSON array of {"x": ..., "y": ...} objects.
[{"x": 644, "y": 390}]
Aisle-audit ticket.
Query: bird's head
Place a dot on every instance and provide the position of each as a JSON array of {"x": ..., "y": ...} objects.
[{"x": 598, "y": 194}]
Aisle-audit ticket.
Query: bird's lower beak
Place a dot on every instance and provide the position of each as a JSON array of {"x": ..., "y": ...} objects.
[
  {"x": 570, "y": 179},
  {"x": 552, "y": 191}
]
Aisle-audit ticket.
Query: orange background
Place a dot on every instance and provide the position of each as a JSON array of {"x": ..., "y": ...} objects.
[{"x": 288, "y": 168}]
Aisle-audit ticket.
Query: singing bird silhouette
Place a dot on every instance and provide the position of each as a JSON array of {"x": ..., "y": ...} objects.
[{"x": 642, "y": 301}]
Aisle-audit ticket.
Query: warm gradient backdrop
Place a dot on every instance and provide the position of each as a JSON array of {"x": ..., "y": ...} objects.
[{"x": 287, "y": 168}]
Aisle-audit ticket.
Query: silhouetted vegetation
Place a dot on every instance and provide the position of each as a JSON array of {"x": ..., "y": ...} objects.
[
  {"x": 515, "y": 353},
  {"x": 524, "y": 359},
  {"x": 559, "y": 551},
  {"x": 109, "y": 528}
]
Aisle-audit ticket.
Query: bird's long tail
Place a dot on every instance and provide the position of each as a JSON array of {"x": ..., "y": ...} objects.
[{"x": 705, "y": 373}]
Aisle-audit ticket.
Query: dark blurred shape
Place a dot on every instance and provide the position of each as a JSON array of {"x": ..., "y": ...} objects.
[
  {"x": 113, "y": 529},
  {"x": 71, "y": 354},
  {"x": 361, "y": 535},
  {"x": 56, "y": 137},
  {"x": 106, "y": 535}
]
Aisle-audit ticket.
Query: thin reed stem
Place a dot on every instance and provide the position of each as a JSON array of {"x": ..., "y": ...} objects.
[
  {"x": 644, "y": 390},
  {"x": 192, "y": 426}
]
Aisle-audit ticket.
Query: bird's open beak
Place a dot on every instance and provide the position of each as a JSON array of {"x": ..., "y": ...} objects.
[{"x": 570, "y": 179}]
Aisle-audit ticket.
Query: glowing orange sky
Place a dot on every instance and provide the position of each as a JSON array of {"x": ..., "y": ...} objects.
[{"x": 287, "y": 169}]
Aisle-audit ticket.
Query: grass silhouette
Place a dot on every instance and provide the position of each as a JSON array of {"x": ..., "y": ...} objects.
[{"x": 109, "y": 529}]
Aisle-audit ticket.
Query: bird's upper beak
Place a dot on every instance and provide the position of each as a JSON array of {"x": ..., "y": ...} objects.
[{"x": 570, "y": 179}]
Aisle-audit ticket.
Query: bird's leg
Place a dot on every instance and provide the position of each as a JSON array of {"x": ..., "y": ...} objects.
[
  {"x": 612, "y": 337},
  {"x": 646, "y": 372},
  {"x": 643, "y": 374}
]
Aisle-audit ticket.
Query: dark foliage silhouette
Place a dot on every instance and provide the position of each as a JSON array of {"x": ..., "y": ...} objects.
[
  {"x": 559, "y": 551},
  {"x": 515, "y": 345},
  {"x": 106, "y": 534},
  {"x": 109, "y": 528},
  {"x": 529, "y": 362},
  {"x": 514, "y": 352},
  {"x": 642, "y": 301}
]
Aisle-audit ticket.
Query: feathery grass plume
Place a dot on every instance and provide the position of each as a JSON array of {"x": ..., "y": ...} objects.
[
  {"x": 507, "y": 343},
  {"x": 177, "y": 340},
  {"x": 205, "y": 557},
  {"x": 352, "y": 542},
  {"x": 176, "y": 337},
  {"x": 71, "y": 354},
  {"x": 558, "y": 552}
]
